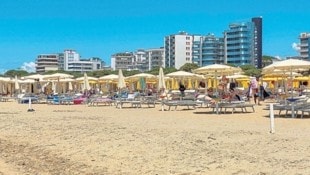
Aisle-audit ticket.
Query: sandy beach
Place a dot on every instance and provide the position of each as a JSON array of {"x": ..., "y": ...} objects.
[{"x": 77, "y": 139}]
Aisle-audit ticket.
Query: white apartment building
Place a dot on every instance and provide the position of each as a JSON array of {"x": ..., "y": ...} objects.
[
  {"x": 47, "y": 62},
  {"x": 178, "y": 49},
  {"x": 70, "y": 57},
  {"x": 142, "y": 60},
  {"x": 69, "y": 60},
  {"x": 84, "y": 65},
  {"x": 122, "y": 61}
]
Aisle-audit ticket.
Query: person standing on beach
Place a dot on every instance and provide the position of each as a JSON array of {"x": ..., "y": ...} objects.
[
  {"x": 255, "y": 91},
  {"x": 182, "y": 89}
]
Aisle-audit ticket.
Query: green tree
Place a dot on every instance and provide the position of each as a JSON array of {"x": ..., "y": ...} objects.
[
  {"x": 154, "y": 71},
  {"x": 169, "y": 70},
  {"x": 188, "y": 67},
  {"x": 250, "y": 70},
  {"x": 19, "y": 73},
  {"x": 267, "y": 60},
  {"x": 130, "y": 73}
]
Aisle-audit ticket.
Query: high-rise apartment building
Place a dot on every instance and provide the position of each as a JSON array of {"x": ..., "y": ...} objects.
[
  {"x": 178, "y": 49},
  {"x": 243, "y": 43},
  {"x": 304, "y": 45},
  {"x": 47, "y": 62},
  {"x": 208, "y": 50},
  {"x": 69, "y": 57}
]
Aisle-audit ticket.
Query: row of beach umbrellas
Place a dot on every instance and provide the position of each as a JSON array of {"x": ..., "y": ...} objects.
[{"x": 282, "y": 68}]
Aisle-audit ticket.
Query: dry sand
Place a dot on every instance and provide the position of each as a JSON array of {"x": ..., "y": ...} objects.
[{"x": 77, "y": 139}]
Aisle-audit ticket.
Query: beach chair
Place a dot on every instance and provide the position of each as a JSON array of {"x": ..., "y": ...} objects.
[
  {"x": 66, "y": 99},
  {"x": 105, "y": 100},
  {"x": 150, "y": 101},
  {"x": 133, "y": 99}
]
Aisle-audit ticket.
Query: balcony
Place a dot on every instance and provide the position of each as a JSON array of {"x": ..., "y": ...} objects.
[
  {"x": 238, "y": 36},
  {"x": 304, "y": 45}
]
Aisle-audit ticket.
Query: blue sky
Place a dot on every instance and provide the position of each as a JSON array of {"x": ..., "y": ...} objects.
[{"x": 100, "y": 28}]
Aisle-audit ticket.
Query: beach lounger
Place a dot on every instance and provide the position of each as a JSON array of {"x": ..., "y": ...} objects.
[
  {"x": 66, "y": 100},
  {"x": 222, "y": 107},
  {"x": 176, "y": 103},
  {"x": 101, "y": 100},
  {"x": 132, "y": 99},
  {"x": 150, "y": 101}
]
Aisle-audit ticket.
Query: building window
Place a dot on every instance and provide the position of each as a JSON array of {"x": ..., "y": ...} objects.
[{"x": 188, "y": 43}]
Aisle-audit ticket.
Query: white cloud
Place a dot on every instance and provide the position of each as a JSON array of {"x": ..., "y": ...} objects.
[
  {"x": 296, "y": 47},
  {"x": 29, "y": 67},
  {"x": 277, "y": 58}
]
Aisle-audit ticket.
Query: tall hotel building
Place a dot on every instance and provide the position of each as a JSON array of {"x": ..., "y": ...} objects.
[
  {"x": 178, "y": 49},
  {"x": 243, "y": 43},
  {"x": 304, "y": 45},
  {"x": 208, "y": 50}
]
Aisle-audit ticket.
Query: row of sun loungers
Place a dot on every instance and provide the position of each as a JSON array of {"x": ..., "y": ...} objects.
[
  {"x": 292, "y": 106},
  {"x": 135, "y": 100}
]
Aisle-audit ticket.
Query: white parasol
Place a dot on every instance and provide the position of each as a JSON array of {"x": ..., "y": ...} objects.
[
  {"x": 161, "y": 79},
  {"x": 121, "y": 80}
]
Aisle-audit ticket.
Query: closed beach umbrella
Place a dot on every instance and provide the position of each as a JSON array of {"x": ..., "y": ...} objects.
[
  {"x": 139, "y": 85},
  {"x": 189, "y": 85},
  {"x": 168, "y": 85},
  {"x": 161, "y": 79},
  {"x": 16, "y": 83},
  {"x": 86, "y": 85},
  {"x": 70, "y": 87},
  {"x": 54, "y": 87},
  {"x": 209, "y": 83},
  {"x": 142, "y": 83},
  {"x": 121, "y": 80}
]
